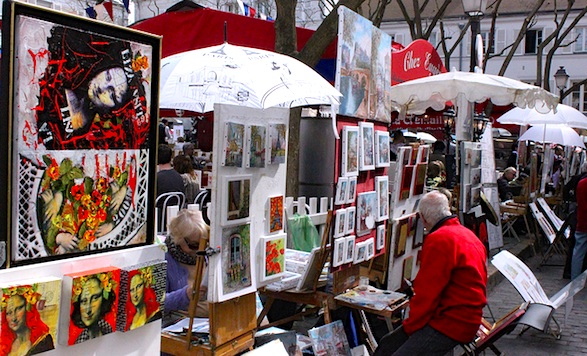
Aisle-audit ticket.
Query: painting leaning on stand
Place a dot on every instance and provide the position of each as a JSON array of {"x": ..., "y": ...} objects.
[{"x": 449, "y": 290}]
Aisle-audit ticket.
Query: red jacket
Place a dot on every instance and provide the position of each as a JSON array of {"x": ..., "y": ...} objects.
[
  {"x": 581, "y": 194},
  {"x": 450, "y": 288}
]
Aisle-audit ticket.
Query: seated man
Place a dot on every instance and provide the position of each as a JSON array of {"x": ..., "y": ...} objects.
[
  {"x": 506, "y": 186},
  {"x": 449, "y": 290}
]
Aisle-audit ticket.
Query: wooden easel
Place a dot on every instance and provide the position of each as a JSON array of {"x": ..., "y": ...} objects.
[{"x": 232, "y": 323}]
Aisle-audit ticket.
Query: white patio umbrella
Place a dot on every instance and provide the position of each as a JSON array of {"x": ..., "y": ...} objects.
[
  {"x": 426, "y": 137},
  {"x": 553, "y": 133},
  {"x": 564, "y": 115},
  {"x": 196, "y": 80}
]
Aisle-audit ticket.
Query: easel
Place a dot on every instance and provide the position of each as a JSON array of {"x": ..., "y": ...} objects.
[{"x": 232, "y": 323}]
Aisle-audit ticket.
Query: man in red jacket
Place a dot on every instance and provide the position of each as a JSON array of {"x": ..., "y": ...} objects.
[{"x": 450, "y": 288}]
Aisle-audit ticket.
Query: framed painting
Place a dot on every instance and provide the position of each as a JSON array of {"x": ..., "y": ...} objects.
[
  {"x": 418, "y": 226},
  {"x": 366, "y": 146},
  {"x": 235, "y": 207},
  {"x": 405, "y": 155},
  {"x": 382, "y": 156},
  {"x": 350, "y": 220},
  {"x": 366, "y": 212},
  {"x": 256, "y": 144},
  {"x": 278, "y": 143},
  {"x": 352, "y": 190},
  {"x": 339, "y": 252},
  {"x": 380, "y": 237},
  {"x": 341, "y": 191},
  {"x": 272, "y": 256},
  {"x": 360, "y": 252},
  {"x": 423, "y": 154},
  {"x": 340, "y": 223},
  {"x": 233, "y": 144},
  {"x": 420, "y": 180},
  {"x": 275, "y": 214},
  {"x": 236, "y": 259},
  {"x": 350, "y": 151},
  {"x": 370, "y": 249},
  {"x": 414, "y": 153},
  {"x": 401, "y": 236},
  {"x": 350, "y": 249},
  {"x": 406, "y": 185},
  {"x": 382, "y": 189},
  {"x": 407, "y": 269},
  {"x": 79, "y": 115}
]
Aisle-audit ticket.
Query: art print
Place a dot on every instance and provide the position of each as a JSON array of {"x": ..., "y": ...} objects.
[
  {"x": 275, "y": 218},
  {"x": 400, "y": 237},
  {"x": 407, "y": 269},
  {"x": 475, "y": 158},
  {"x": 382, "y": 189},
  {"x": 466, "y": 197},
  {"x": 340, "y": 223},
  {"x": 423, "y": 154},
  {"x": 330, "y": 340},
  {"x": 475, "y": 196},
  {"x": 236, "y": 258},
  {"x": 360, "y": 252},
  {"x": 80, "y": 113},
  {"x": 30, "y": 311},
  {"x": 339, "y": 252},
  {"x": 420, "y": 180},
  {"x": 278, "y": 141},
  {"x": 380, "y": 96},
  {"x": 350, "y": 220},
  {"x": 414, "y": 153},
  {"x": 382, "y": 156},
  {"x": 237, "y": 198},
  {"x": 366, "y": 146},
  {"x": 406, "y": 185},
  {"x": 352, "y": 190},
  {"x": 418, "y": 226},
  {"x": 476, "y": 176},
  {"x": 350, "y": 151},
  {"x": 142, "y": 295},
  {"x": 380, "y": 237},
  {"x": 273, "y": 256},
  {"x": 370, "y": 249},
  {"x": 366, "y": 212},
  {"x": 341, "y": 191},
  {"x": 350, "y": 249},
  {"x": 256, "y": 146},
  {"x": 233, "y": 145},
  {"x": 405, "y": 155}
]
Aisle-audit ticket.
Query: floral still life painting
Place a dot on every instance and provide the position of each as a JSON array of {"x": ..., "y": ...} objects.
[{"x": 273, "y": 255}]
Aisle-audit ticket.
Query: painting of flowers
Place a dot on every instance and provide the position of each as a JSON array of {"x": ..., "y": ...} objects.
[{"x": 273, "y": 254}]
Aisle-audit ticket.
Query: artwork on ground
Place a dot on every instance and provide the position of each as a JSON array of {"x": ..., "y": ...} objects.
[
  {"x": 275, "y": 219},
  {"x": 94, "y": 304},
  {"x": 273, "y": 256},
  {"x": 330, "y": 340},
  {"x": 277, "y": 135},
  {"x": 237, "y": 193},
  {"x": 236, "y": 258},
  {"x": 142, "y": 295},
  {"x": 234, "y": 139},
  {"x": 30, "y": 311},
  {"x": 256, "y": 146},
  {"x": 350, "y": 151},
  {"x": 366, "y": 212}
]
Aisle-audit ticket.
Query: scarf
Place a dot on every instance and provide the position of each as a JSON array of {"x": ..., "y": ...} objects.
[{"x": 178, "y": 254}]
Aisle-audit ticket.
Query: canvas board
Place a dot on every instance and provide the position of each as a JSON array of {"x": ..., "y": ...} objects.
[{"x": 366, "y": 146}]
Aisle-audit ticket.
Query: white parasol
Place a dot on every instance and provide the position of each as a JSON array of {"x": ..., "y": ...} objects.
[
  {"x": 564, "y": 115},
  {"x": 426, "y": 137},
  {"x": 553, "y": 133}
]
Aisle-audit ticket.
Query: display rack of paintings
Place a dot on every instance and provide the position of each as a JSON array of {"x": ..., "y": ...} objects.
[
  {"x": 275, "y": 214},
  {"x": 471, "y": 175},
  {"x": 340, "y": 223},
  {"x": 366, "y": 146},
  {"x": 237, "y": 197},
  {"x": 350, "y": 151},
  {"x": 234, "y": 144},
  {"x": 382, "y": 156},
  {"x": 351, "y": 218},
  {"x": 71, "y": 145},
  {"x": 366, "y": 212},
  {"x": 278, "y": 143},
  {"x": 341, "y": 191},
  {"x": 382, "y": 190},
  {"x": 256, "y": 146},
  {"x": 272, "y": 256}
]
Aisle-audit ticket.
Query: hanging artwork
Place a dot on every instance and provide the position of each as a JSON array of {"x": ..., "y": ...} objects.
[
  {"x": 340, "y": 223},
  {"x": 407, "y": 271},
  {"x": 33, "y": 307},
  {"x": 275, "y": 214},
  {"x": 360, "y": 252},
  {"x": 418, "y": 225},
  {"x": 352, "y": 190},
  {"x": 237, "y": 197},
  {"x": 350, "y": 249},
  {"x": 382, "y": 155},
  {"x": 142, "y": 294},
  {"x": 366, "y": 146},
  {"x": 94, "y": 305},
  {"x": 339, "y": 252},
  {"x": 380, "y": 237},
  {"x": 366, "y": 212},
  {"x": 341, "y": 191},
  {"x": 406, "y": 185},
  {"x": 256, "y": 144},
  {"x": 236, "y": 258},
  {"x": 272, "y": 255},
  {"x": 420, "y": 180},
  {"x": 350, "y": 151},
  {"x": 278, "y": 142},
  {"x": 79, "y": 115},
  {"x": 370, "y": 249},
  {"x": 400, "y": 237},
  {"x": 423, "y": 154},
  {"x": 234, "y": 143},
  {"x": 382, "y": 189},
  {"x": 350, "y": 220},
  {"x": 380, "y": 95}
]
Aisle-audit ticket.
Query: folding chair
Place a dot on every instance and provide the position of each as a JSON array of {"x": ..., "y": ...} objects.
[{"x": 163, "y": 203}]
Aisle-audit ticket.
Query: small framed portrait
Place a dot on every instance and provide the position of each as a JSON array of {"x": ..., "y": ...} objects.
[
  {"x": 350, "y": 220},
  {"x": 382, "y": 189},
  {"x": 370, "y": 253},
  {"x": 407, "y": 269},
  {"x": 366, "y": 212},
  {"x": 366, "y": 146},
  {"x": 256, "y": 146},
  {"x": 352, "y": 190},
  {"x": 418, "y": 239},
  {"x": 380, "y": 237},
  {"x": 350, "y": 249},
  {"x": 382, "y": 156},
  {"x": 339, "y": 253},
  {"x": 340, "y": 223},
  {"x": 350, "y": 151},
  {"x": 236, "y": 201},
  {"x": 360, "y": 252},
  {"x": 234, "y": 143},
  {"x": 341, "y": 191}
]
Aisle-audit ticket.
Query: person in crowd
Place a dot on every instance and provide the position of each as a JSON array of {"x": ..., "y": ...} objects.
[
  {"x": 449, "y": 290},
  {"x": 168, "y": 179},
  {"x": 436, "y": 176},
  {"x": 91, "y": 305},
  {"x": 185, "y": 232},
  {"x": 188, "y": 151},
  {"x": 398, "y": 141},
  {"x": 163, "y": 132},
  {"x": 570, "y": 198},
  {"x": 23, "y": 331},
  {"x": 513, "y": 157},
  {"x": 438, "y": 150},
  {"x": 580, "y": 249},
  {"x": 506, "y": 185},
  {"x": 183, "y": 165}
]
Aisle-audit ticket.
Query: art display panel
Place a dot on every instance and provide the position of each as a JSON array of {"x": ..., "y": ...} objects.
[{"x": 79, "y": 116}]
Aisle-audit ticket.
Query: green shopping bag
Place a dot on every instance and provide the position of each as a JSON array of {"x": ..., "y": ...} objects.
[{"x": 302, "y": 235}]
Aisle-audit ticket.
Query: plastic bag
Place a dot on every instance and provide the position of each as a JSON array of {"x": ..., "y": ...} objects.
[{"x": 302, "y": 234}]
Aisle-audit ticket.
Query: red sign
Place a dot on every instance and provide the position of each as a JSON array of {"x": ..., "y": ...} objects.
[{"x": 419, "y": 59}]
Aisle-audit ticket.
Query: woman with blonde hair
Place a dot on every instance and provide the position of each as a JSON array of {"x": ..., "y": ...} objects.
[
  {"x": 185, "y": 232},
  {"x": 183, "y": 165}
]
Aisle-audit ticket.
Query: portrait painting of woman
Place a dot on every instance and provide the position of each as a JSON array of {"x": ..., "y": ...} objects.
[{"x": 142, "y": 304}]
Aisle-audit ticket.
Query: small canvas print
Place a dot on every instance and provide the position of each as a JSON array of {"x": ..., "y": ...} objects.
[
  {"x": 350, "y": 151},
  {"x": 234, "y": 140},
  {"x": 275, "y": 220},
  {"x": 142, "y": 295},
  {"x": 475, "y": 158},
  {"x": 341, "y": 191},
  {"x": 360, "y": 252},
  {"x": 278, "y": 137},
  {"x": 350, "y": 220},
  {"x": 256, "y": 146},
  {"x": 476, "y": 176},
  {"x": 366, "y": 212},
  {"x": 405, "y": 155},
  {"x": 423, "y": 154},
  {"x": 366, "y": 146},
  {"x": 404, "y": 192},
  {"x": 382, "y": 156},
  {"x": 466, "y": 197},
  {"x": 401, "y": 236},
  {"x": 420, "y": 180},
  {"x": 237, "y": 191},
  {"x": 236, "y": 258},
  {"x": 340, "y": 223},
  {"x": 94, "y": 303},
  {"x": 273, "y": 256},
  {"x": 475, "y": 196},
  {"x": 380, "y": 237},
  {"x": 352, "y": 190},
  {"x": 407, "y": 271},
  {"x": 418, "y": 239},
  {"x": 414, "y": 153},
  {"x": 382, "y": 189},
  {"x": 370, "y": 249},
  {"x": 330, "y": 340},
  {"x": 339, "y": 252},
  {"x": 350, "y": 249},
  {"x": 30, "y": 311}
]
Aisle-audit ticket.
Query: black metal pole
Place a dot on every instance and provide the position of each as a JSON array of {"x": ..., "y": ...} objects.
[{"x": 475, "y": 24}]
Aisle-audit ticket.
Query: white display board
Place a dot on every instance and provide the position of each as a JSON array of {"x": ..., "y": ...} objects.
[
  {"x": 489, "y": 183},
  {"x": 142, "y": 341},
  {"x": 264, "y": 182}
]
